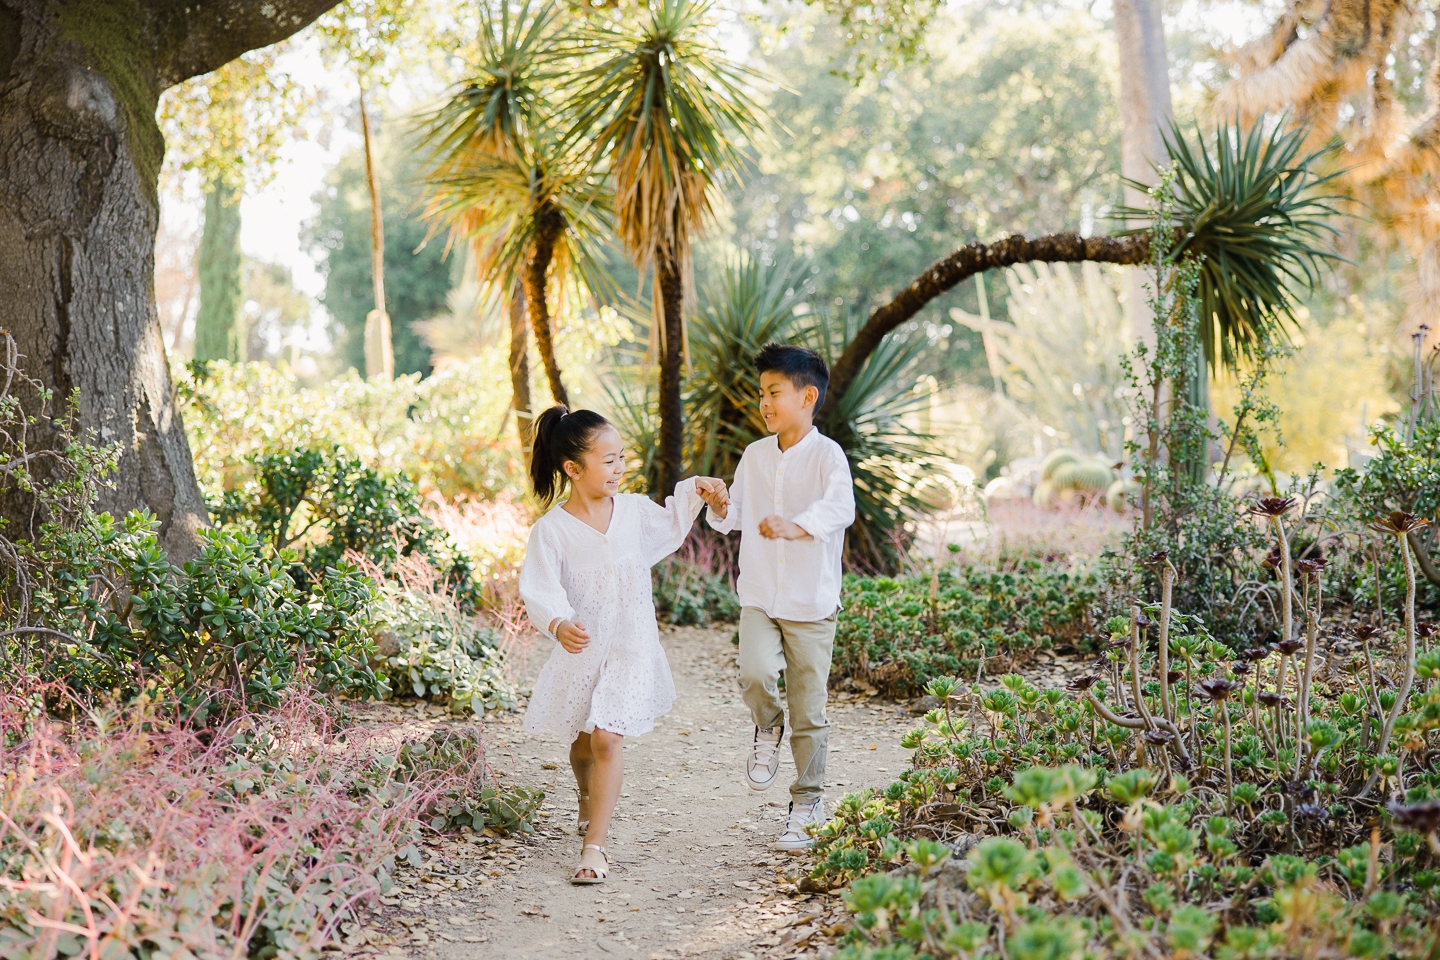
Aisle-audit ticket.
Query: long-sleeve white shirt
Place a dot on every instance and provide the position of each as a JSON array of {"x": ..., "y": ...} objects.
[{"x": 809, "y": 485}]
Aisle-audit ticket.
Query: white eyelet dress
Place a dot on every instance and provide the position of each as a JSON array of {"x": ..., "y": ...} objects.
[{"x": 621, "y": 681}]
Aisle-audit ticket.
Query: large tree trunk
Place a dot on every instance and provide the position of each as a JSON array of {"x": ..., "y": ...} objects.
[
  {"x": 80, "y": 155},
  {"x": 217, "y": 323},
  {"x": 961, "y": 265},
  {"x": 520, "y": 369},
  {"x": 670, "y": 286},
  {"x": 550, "y": 223},
  {"x": 1145, "y": 111}
]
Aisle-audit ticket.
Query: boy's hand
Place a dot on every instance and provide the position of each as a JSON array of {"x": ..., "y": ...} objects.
[
  {"x": 572, "y": 636},
  {"x": 778, "y": 528},
  {"x": 713, "y": 492}
]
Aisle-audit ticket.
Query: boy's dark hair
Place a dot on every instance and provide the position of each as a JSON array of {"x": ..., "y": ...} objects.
[
  {"x": 559, "y": 435},
  {"x": 800, "y": 365}
]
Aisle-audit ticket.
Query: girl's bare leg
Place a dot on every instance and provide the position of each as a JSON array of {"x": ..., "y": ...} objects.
[
  {"x": 582, "y": 761},
  {"x": 604, "y": 778}
]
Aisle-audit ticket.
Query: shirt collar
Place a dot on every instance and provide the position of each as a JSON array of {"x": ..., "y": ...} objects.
[{"x": 813, "y": 432}]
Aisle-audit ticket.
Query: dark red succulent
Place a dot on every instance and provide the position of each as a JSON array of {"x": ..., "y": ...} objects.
[
  {"x": 1425, "y": 629},
  {"x": 1398, "y": 523},
  {"x": 1288, "y": 647},
  {"x": 1311, "y": 566},
  {"x": 1273, "y": 506},
  {"x": 1173, "y": 676},
  {"x": 1255, "y": 653},
  {"x": 1422, "y": 817},
  {"x": 1084, "y": 683},
  {"x": 1158, "y": 738},
  {"x": 1143, "y": 621},
  {"x": 1365, "y": 631},
  {"x": 1270, "y": 698},
  {"x": 1218, "y": 688}
]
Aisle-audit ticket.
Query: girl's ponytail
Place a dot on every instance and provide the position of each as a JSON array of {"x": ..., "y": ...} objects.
[{"x": 559, "y": 435}]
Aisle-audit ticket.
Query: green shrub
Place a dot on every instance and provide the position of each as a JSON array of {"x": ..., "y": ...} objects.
[
  {"x": 326, "y": 503},
  {"x": 899, "y": 632},
  {"x": 231, "y": 627},
  {"x": 429, "y": 647},
  {"x": 687, "y": 594}
]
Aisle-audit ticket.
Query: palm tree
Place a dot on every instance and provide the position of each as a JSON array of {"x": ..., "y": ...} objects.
[
  {"x": 665, "y": 112},
  {"x": 1248, "y": 209},
  {"x": 531, "y": 210}
]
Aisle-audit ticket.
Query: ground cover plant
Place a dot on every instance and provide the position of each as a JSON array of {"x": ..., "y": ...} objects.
[
  {"x": 126, "y": 833},
  {"x": 1282, "y": 799},
  {"x": 898, "y": 633},
  {"x": 1249, "y": 771}
]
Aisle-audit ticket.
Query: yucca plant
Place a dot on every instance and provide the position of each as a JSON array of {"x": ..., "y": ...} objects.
[
  {"x": 506, "y": 182},
  {"x": 746, "y": 306},
  {"x": 887, "y": 454},
  {"x": 1252, "y": 211},
  {"x": 664, "y": 114}
]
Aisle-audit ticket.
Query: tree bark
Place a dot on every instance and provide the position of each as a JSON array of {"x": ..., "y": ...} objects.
[
  {"x": 80, "y": 155},
  {"x": 549, "y": 224},
  {"x": 379, "y": 342},
  {"x": 964, "y": 263},
  {"x": 670, "y": 285},
  {"x": 1145, "y": 111},
  {"x": 520, "y": 370},
  {"x": 217, "y": 322}
]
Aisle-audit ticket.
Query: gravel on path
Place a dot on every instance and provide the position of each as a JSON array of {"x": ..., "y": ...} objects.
[{"x": 692, "y": 872}]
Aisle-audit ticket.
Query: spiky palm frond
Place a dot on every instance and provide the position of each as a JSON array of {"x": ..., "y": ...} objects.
[
  {"x": 1251, "y": 207},
  {"x": 497, "y": 204},
  {"x": 499, "y": 109},
  {"x": 664, "y": 113},
  {"x": 870, "y": 423},
  {"x": 747, "y": 306}
]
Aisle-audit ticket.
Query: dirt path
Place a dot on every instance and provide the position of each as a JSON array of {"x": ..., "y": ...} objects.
[{"x": 693, "y": 874}]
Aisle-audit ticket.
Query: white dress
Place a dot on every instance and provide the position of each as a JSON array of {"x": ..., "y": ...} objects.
[{"x": 621, "y": 681}]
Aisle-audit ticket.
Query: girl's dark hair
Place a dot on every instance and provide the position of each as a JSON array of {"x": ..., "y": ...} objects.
[{"x": 559, "y": 435}]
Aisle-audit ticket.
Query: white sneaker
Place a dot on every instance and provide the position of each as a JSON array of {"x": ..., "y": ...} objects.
[
  {"x": 763, "y": 764},
  {"x": 801, "y": 816}
]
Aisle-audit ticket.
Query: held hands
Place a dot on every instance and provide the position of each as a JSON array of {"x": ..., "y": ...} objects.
[
  {"x": 713, "y": 492},
  {"x": 778, "y": 528},
  {"x": 572, "y": 636}
]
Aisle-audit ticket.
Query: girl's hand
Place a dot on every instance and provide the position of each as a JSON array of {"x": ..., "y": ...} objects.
[{"x": 572, "y": 636}]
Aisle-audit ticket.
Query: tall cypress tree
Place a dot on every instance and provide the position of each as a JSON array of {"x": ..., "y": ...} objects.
[{"x": 217, "y": 324}]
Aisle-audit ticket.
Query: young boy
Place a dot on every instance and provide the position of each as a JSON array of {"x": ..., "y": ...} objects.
[{"x": 791, "y": 500}]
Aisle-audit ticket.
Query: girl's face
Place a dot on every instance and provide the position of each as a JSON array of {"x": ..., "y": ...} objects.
[{"x": 601, "y": 468}]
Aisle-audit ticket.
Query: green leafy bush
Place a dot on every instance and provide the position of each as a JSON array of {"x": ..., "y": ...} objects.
[
  {"x": 899, "y": 632},
  {"x": 687, "y": 594},
  {"x": 326, "y": 503},
  {"x": 230, "y": 628},
  {"x": 429, "y": 647}
]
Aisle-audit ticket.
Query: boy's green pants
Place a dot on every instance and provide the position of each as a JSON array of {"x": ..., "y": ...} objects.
[{"x": 802, "y": 649}]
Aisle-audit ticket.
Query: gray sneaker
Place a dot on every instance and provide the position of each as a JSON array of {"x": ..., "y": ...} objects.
[
  {"x": 801, "y": 816},
  {"x": 763, "y": 764}
]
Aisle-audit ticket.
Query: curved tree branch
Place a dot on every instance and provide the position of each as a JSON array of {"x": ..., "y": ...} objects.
[
  {"x": 964, "y": 263},
  {"x": 197, "y": 36}
]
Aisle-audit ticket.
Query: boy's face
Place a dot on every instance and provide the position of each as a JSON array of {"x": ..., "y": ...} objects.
[{"x": 783, "y": 405}]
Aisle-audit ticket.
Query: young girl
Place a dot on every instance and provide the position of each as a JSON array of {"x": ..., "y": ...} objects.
[{"x": 586, "y": 582}]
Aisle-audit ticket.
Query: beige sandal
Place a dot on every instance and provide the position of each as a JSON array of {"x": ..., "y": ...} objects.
[
  {"x": 600, "y": 872},
  {"x": 582, "y": 827}
]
